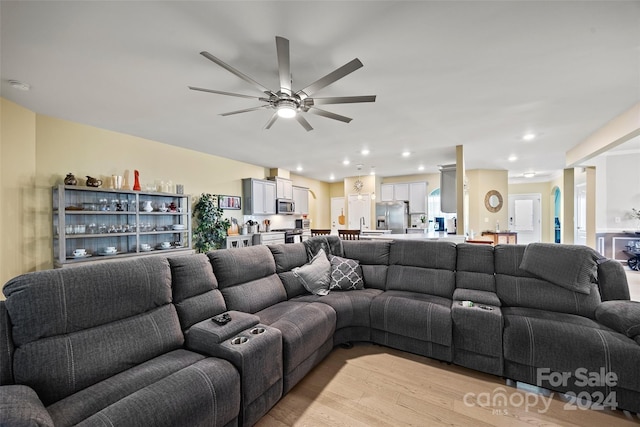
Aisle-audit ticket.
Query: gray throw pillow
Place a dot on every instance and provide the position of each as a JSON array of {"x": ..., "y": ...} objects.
[
  {"x": 572, "y": 267},
  {"x": 314, "y": 275},
  {"x": 346, "y": 274}
]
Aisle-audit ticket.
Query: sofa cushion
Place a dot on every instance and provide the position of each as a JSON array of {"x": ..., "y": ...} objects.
[
  {"x": 195, "y": 289},
  {"x": 287, "y": 256},
  {"x": 573, "y": 267},
  {"x": 352, "y": 308},
  {"x": 374, "y": 260},
  {"x": 621, "y": 316},
  {"x": 346, "y": 274},
  {"x": 563, "y": 342},
  {"x": 305, "y": 328},
  {"x": 315, "y": 275},
  {"x": 477, "y": 297},
  {"x": 54, "y": 302},
  {"x": 247, "y": 278},
  {"x": 475, "y": 267},
  {"x": 612, "y": 280},
  {"x": 203, "y": 391},
  {"x": 517, "y": 288},
  {"x": 415, "y": 315}
]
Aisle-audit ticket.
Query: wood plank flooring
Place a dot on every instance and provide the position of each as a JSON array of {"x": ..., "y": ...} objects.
[{"x": 370, "y": 385}]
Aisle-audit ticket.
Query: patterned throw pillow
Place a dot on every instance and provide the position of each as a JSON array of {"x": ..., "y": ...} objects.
[{"x": 346, "y": 274}]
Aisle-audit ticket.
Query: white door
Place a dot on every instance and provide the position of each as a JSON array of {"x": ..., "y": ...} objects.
[
  {"x": 337, "y": 213},
  {"x": 581, "y": 215},
  {"x": 524, "y": 217},
  {"x": 359, "y": 217}
]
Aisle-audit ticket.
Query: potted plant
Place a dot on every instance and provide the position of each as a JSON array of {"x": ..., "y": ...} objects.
[{"x": 210, "y": 229}]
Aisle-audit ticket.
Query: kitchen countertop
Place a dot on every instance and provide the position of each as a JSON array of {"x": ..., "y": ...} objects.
[{"x": 417, "y": 236}]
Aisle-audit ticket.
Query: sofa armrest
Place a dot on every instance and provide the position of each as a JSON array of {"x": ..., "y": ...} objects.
[
  {"x": 478, "y": 297},
  {"x": 20, "y": 406},
  {"x": 210, "y": 332},
  {"x": 622, "y": 316}
]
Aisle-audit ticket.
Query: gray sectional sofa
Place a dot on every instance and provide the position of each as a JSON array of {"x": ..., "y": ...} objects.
[{"x": 132, "y": 343}]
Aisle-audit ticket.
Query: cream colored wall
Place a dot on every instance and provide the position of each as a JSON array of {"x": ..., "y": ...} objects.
[
  {"x": 319, "y": 200},
  {"x": 545, "y": 190},
  {"x": 17, "y": 191},
  {"x": 479, "y": 182},
  {"x": 38, "y": 151}
]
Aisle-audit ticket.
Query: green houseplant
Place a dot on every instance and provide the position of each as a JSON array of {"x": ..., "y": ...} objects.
[{"x": 210, "y": 228}]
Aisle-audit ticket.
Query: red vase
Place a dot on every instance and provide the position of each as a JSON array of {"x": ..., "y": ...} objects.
[{"x": 136, "y": 181}]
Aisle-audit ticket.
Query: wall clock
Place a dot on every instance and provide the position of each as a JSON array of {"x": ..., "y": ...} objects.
[{"x": 358, "y": 185}]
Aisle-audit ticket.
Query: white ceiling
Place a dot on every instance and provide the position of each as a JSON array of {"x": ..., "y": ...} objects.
[{"x": 473, "y": 73}]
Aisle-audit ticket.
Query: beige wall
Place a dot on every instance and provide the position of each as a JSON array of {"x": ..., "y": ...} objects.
[
  {"x": 479, "y": 182},
  {"x": 17, "y": 190},
  {"x": 38, "y": 151}
]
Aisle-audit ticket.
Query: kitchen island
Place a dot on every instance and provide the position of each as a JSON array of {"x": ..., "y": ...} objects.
[{"x": 434, "y": 235}]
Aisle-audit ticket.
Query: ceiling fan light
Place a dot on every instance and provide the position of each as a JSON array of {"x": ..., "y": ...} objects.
[{"x": 287, "y": 109}]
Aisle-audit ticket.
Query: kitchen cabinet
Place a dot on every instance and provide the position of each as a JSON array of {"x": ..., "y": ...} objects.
[
  {"x": 414, "y": 192},
  {"x": 417, "y": 197},
  {"x": 134, "y": 223},
  {"x": 284, "y": 187},
  {"x": 259, "y": 196},
  {"x": 268, "y": 238},
  {"x": 301, "y": 200},
  {"x": 386, "y": 192},
  {"x": 239, "y": 241}
]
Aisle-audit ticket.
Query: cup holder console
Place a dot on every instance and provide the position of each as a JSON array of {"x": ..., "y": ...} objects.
[
  {"x": 257, "y": 331},
  {"x": 239, "y": 340}
]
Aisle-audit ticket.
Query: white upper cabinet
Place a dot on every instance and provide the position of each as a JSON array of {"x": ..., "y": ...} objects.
[
  {"x": 301, "y": 200},
  {"x": 414, "y": 192},
  {"x": 284, "y": 188},
  {"x": 418, "y": 197},
  {"x": 259, "y": 196}
]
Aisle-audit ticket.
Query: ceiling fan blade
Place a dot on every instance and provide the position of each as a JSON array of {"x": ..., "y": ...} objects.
[
  {"x": 346, "y": 69},
  {"x": 236, "y": 72},
  {"x": 339, "y": 100},
  {"x": 305, "y": 124},
  {"x": 246, "y": 110},
  {"x": 271, "y": 121},
  {"x": 284, "y": 64},
  {"x": 219, "y": 92},
  {"x": 329, "y": 115}
]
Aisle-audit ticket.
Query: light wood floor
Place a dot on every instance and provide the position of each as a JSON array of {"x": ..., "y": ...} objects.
[
  {"x": 370, "y": 385},
  {"x": 633, "y": 277}
]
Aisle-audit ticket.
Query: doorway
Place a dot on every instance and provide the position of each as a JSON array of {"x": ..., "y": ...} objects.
[
  {"x": 524, "y": 217},
  {"x": 557, "y": 228},
  {"x": 338, "y": 218},
  {"x": 581, "y": 215}
]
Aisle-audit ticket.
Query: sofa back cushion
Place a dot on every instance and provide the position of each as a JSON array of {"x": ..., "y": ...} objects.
[
  {"x": 247, "y": 278},
  {"x": 288, "y": 256},
  {"x": 518, "y": 288},
  {"x": 426, "y": 267},
  {"x": 195, "y": 289},
  {"x": 475, "y": 267},
  {"x": 612, "y": 281},
  {"x": 374, "y": 260},
  {"x": 75, "y": 327}
]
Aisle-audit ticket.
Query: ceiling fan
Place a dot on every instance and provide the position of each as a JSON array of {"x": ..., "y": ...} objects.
[{"x": 287, "y": 103}]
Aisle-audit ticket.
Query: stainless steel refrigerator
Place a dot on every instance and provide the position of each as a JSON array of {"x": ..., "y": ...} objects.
[{"x": 392, "y": 216}]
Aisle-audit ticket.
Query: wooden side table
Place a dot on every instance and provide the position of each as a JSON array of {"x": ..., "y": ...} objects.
[{"x": 502, "y": 237}]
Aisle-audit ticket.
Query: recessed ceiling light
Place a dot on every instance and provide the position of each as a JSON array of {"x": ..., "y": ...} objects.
[
  {"x": 16, "y": 84},
  {"x": 420, "y": 168},
  {"x": 529, "y": 174},
  {"x": 332, "y": 177},
  {"x": 365, "y": 151},
  {"x": 373, "y": 170},
  {"x": 346, "y": 162},
  {"x": 529, "y": 136},
  {"x": 512, "y": 158},
  {"x": 406, "y": 153},
  {"x": 299, "y": 168}
]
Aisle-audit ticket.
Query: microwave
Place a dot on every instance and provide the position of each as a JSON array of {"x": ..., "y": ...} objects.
[
  {"x": 285, "y": 206},
  {"x": 304, "y": 223}
]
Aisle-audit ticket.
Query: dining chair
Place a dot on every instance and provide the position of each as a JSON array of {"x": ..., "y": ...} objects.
[
  {"x": 320, "y": 232},
  {"x": 349, "y": 234}
]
